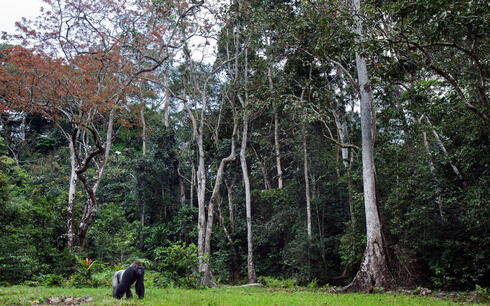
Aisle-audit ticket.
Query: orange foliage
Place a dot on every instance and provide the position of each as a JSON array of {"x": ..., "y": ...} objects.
[{"x": 34, "y": 82}]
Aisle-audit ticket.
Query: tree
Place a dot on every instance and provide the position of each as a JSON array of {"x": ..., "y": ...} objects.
[
  {"x": 108, "y": 48},
  {"x": 374, "y": 269}
]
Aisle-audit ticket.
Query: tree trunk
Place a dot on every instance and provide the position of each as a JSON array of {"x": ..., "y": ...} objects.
[
  {"x": 201, "y": 189},
  {"x": 88, "y": 217},
  {"x": 276, "y": 131},
  {"x": 207, "y": 277},
  {"x": 307, "y": 182},
  {"x": 231, "y": 213},
  {"x": 373, "y": 271},
  {"x": 248, "y": 206},
  {"x": 252, "y": 278},
  {"x": 71, "y": 197},
  {"x": 91, "y": 205}
]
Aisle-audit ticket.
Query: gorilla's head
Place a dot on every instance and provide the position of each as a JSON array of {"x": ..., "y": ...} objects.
[{"x": 138, "y": 266}]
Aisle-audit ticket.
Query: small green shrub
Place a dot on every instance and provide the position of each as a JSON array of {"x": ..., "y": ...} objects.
[
  {"x": 32, "y": 283},
  {"x": 277, "y": 283},
  {"x": 50, "y": 280},
  {"x": 103, "y": 278},
  {"x": 313, "y": 284}
]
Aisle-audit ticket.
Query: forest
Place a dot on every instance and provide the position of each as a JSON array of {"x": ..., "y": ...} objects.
[{"x": 311, "y": 142}]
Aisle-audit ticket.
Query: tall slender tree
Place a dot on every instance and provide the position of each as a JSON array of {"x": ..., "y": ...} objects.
[{"x": 373, "y": 271}]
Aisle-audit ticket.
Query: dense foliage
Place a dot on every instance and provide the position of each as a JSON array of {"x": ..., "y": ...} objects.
[{"x": 428, "y": 61}]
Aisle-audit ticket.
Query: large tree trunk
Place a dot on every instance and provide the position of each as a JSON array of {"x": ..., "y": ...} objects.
[
  {"x": 91, "y": 205},
  {"x": 71, "y": 197},
  {"x": 373, "y": 271},
  {"x": 201, "y": 189}
]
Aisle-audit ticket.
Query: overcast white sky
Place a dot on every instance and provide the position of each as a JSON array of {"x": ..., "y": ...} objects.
[{"x": 13, "y": 10}]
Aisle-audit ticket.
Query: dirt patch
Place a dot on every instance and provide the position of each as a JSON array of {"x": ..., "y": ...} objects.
[{"x": 63, "y": 301}]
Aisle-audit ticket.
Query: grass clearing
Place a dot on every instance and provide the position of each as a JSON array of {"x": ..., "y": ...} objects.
[{"x": 23, "y": 295}]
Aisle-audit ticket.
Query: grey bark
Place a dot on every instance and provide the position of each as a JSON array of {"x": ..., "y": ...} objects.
[
  {"x": 71, "y": 197},
  {"x": 252, "y": 278}
]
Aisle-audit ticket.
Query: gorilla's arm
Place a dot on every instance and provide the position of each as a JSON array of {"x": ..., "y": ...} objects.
[{"x": 140, "y": 283}]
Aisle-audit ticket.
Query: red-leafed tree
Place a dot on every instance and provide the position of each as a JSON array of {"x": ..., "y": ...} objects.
[
  {"x": 83, "y": 97},
  {"x": 80, "y": 62}
]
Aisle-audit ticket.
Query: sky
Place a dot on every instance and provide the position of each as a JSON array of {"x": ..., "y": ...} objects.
[{"x": 12, "y": 11}]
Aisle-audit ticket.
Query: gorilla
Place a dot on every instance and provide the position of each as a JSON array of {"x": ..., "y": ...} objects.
[{"x": 123, "y": 279}]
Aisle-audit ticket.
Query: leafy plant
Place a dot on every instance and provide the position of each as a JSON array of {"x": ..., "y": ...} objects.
[
  {"x": 178, "y": 265},
  {"x": 277, "y": 283}
]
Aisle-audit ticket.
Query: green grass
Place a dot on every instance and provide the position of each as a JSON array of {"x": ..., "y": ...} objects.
[{"x": 23, "y": 295}]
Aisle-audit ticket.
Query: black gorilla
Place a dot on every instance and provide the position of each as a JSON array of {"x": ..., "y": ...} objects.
[{"x": 123, "y": 279}]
